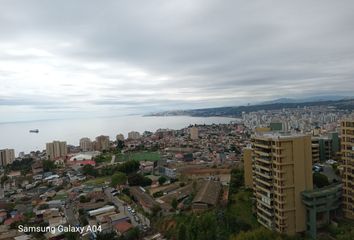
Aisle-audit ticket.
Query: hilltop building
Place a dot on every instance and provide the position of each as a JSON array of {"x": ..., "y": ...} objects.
[
  {"x": 194, "y": 133},
  {"x": 134, "y": 135},
  {"x": 7, "y": 156},
  {"x": 347, "y": 162},
  {"x": 281, "y": 170},
  {"x": 56, "y": 149},
  {"x": 86, "y": 144},
  {"x": 102, "y": 143},
  {"x": 120, "y": 137}
]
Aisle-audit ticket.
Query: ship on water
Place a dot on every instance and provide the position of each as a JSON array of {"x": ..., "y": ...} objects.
[{"x": 34, "y": 131}]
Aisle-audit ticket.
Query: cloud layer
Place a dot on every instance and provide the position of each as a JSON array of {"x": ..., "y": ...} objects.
[{"x": 82, "y": 57}]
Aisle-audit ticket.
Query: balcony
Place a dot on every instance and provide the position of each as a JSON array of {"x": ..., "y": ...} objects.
[
  {"x": 263, "y": 160},
  {"x": 264, "y": 181},
  {"x": 264, "y": 189},
  {"x": 266, "y": 211},
  {"x": 261, "y": 153},
  {"x": 264, "y": 174},
  {"x": 261, "y": 145}
]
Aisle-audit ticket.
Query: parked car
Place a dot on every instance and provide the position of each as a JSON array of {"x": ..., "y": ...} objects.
[
  {"x": 331, "y": 161},
  {"x": 317, "y": 168}
]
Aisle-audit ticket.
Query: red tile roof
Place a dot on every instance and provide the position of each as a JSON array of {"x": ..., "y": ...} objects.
[{"x": 123, "y": 226}]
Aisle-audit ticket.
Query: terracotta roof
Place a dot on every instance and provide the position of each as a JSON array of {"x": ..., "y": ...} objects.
[
  {"x": 123, "y": 226},
  {"x": 16, "y": 218}
]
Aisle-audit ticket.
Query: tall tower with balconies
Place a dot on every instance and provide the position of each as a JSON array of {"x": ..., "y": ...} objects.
[
  {"x": 347, "y": 164},
  {"x": 282, "y": 169}
]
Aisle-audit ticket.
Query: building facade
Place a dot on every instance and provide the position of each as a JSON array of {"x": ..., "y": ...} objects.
[
  {"x": 120, "y": 137},
  {"x": 247, "y": 164},
  {"x": 7, "y": 156},
  {"x": 102, "y": 143},
  {"x": 134, "y": 135},
  {"x": 194, "y": 133},
  {"x": 321, "y": 206},
  {"x": 347, "y": 164},
  {"x": 315, "y": 145},
  {"x": 281, "y": 170},
  {"x": 86, "y": 144},
  {"x": 56, "y": 149}
]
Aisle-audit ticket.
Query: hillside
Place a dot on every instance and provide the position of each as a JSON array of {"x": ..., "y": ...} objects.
[{"x": 345, "y": 104}]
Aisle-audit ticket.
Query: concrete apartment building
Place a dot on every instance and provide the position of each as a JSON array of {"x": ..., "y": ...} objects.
[
  {"x": 86, "y": 144},
  {"x": 347, "y": 162},
  {"x": 102, "y": 143},
  {"x": 315, "y": 145},
  {"x": 194, "y": 133},
  {"x": 281, "y": 170},
  {"x": 56, "y": 149},
  {"x": 120, "y": 137},
  {"x": 247, "y": 165},
  {"x": 7, "y": 156},
  {"x": 134, "y": 135}
]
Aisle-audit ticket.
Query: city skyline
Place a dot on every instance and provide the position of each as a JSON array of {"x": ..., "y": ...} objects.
[{"x": 87, "y": 58}]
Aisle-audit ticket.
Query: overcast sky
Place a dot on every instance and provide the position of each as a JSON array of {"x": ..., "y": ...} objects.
[{"x": 69, "y": 58}]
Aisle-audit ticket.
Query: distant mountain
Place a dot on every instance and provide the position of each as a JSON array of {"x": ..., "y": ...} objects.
[
  {"x": 343, "y": 104},
  {"x": 309, "y": 99}
]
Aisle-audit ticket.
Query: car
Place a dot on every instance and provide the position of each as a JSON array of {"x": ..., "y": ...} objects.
[
  {"x": 145, "y": 228},
  {"x": 317, "y": 168},
  {"x": 115, "y": 194},
  {"x": 129, "y": 208},
  {"x": 114, "y": 191},
  {"x": 331, "y": 161},
  {"x": 133, "y": 212}
]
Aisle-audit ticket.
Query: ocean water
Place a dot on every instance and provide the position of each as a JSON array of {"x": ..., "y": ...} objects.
[{"x": 17, "y": 136}]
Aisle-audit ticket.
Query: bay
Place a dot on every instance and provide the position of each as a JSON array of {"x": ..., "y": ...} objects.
[{"x": 16, "y": 135}]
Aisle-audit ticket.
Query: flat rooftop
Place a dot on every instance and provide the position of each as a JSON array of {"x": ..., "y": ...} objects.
[{"x": 279, "y": 135}]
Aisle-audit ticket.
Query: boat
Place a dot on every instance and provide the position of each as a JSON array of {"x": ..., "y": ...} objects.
[{"x": 34, "y": 131}]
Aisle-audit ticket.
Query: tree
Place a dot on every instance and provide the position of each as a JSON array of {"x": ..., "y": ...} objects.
[
  {"x": 259, "y": 233},
  {"x": 48, "y": 165},
  {"x": 4, "y": 179},
  {"x": 89, "y": 170},
  {"x": 237, "y": 180},
  {"x": 182, "y": 234},
  {"x": 84, "y": 199},
  {"x": 132, "y": 234},
  {"x": 320, "y": 180},
  {"x": 118, "y": 178},
  {"x": 120, "y": 145},
  {"x": 174, "y": 203},
  {"x": 162, "y": 180},
  {"x": 128, "y": 167},
  {"x": 155, "y": 210},
  {"x": 137, "y": 179},
  {"x": 106, "y": 236}
]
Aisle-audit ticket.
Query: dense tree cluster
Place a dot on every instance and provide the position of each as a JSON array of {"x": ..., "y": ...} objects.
[
  {"x": 24, "y": 166},
  {"x": 137, "y": 179},
  {"x": 320, "y": 180}
]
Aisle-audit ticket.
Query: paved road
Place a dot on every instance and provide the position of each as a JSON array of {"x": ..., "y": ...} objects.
[
  {"x": 113, "y": 159},
  {"x": 123, "y": 207},
  {"x": 70, "y": 215}
]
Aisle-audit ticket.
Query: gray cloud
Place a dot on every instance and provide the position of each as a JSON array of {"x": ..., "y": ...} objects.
[{"x": 168, "y": 54}]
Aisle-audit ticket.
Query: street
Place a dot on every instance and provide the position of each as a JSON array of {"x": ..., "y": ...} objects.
[{"x": 123, "y": 207}]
